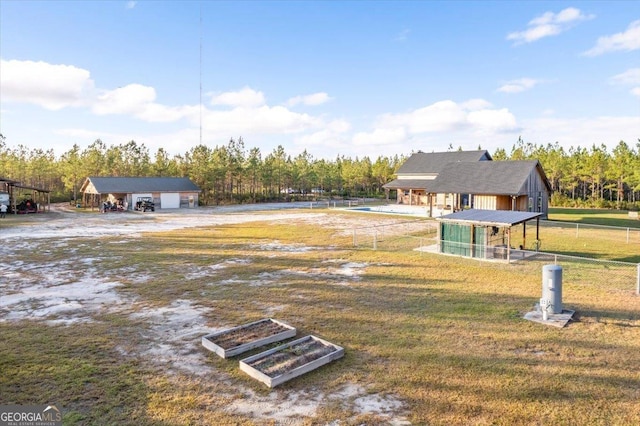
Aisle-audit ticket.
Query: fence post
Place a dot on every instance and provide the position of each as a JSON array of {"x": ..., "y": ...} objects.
[
  {"x": 577, "y": 230},
  {"x": 628, "y": 233}
]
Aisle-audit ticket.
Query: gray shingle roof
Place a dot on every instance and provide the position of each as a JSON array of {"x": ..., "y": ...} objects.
[
  {"x": 115, "y": 185},
  {"x": 409, "y": 183},
  {"x": 485, "y": 177},
  {"x": 433, "y": 163}
]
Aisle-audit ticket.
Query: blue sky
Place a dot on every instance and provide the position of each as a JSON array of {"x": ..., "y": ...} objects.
[{"x": 335, "y": 78}]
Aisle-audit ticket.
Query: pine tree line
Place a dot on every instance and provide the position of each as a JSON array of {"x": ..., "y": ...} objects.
[
  {"x": 582, "y": 177},
  {"x": 226, "y": 174},
  {"x": 231, "y": 173}
]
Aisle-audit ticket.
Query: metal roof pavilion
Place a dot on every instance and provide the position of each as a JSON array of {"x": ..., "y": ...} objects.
[
  {"x": 496, "y": 218},
  {"x": 490, "y": 217}
]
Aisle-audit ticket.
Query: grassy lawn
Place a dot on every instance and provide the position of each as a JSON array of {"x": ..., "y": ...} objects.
[
  {"x": 442, "y": 335},
  {"x": 606, "y": 217}
]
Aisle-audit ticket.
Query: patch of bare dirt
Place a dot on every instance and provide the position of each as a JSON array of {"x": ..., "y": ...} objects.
[{"x": 71, "y": 289}]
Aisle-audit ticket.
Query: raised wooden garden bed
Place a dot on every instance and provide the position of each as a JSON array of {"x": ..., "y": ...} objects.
[
  {"x": 237, "y": 340},
  {"x": 293, "y": 359}
]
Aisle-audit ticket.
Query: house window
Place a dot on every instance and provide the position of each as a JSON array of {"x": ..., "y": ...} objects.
[
  {"x": 406, "y": 193},
  {"x": 530, "y": 204},
  {"x": 539, "y": 202}
]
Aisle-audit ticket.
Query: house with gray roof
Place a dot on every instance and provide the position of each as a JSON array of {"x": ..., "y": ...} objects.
[
  {"x": 451, "y": 181},
  {"x": 167, "y": 192}
]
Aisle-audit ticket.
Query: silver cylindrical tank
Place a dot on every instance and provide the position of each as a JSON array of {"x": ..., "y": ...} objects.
[{"x": 552, "y": 289}]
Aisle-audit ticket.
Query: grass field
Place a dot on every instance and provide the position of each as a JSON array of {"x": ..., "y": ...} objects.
[
  {"x": 428, "y": 339},
  {"x": 605, "y": 217}
]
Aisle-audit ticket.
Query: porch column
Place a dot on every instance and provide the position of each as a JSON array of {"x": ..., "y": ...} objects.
[{"x": 430, "y": 204}]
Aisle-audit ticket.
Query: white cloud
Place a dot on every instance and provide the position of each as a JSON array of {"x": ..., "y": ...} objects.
[
  {"x": 325, "y": 138},
  {"x": 130, "y": 4},
  {"x": 264, "y": 119},
  {"x": 475, "y": 104},
  {"x": 124, "y": 100},
  {"x": 475, "y": 117},
  {"x": 549, "y": 24},
  {"x": 630, "y": 77},
  {"x": 626, "y": 41},
  {"x": 338, "y": 126},
  {"x": 90, "y": 135},
  {"x": 383, "y": 136},
  {"x": 438, "y": 117},
  {"x": 245, "y": 97},
  {"x": 242, "y": 112},
  {"x": 517, "y": 86},
  {"x": 492, "y": 121},
  {"x": 50, "y": 86},
  {"x": 138, "y": 100},
  {"x": 312, "y": 100},
  {"x": 582, "y": 131}
]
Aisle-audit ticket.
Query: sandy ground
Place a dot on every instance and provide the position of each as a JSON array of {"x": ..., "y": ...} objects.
[{"x": 55, "y": 293}]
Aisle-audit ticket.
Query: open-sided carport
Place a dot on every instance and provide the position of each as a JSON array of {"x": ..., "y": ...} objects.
[{"x": 483, "y": 234}]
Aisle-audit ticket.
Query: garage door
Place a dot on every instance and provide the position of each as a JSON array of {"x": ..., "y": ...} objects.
[{"x": 170, "y": 200}]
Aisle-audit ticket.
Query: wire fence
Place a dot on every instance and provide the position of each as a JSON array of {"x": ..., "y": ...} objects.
[
  {"x": 422, "y": 236},
  {"x": 582, "y": 271},
  {"x": 626, "y": 235}
]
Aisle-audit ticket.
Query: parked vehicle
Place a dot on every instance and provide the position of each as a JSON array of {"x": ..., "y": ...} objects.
[
  {"x": 116, "y": 206},
  {"x": 144, "y": 204}
]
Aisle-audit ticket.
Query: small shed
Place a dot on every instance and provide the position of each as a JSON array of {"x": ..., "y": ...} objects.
[
  {"x": 483, "y": 234},
  {"x": 167, "y": 192},
  {"x": 23, "y": 199}
]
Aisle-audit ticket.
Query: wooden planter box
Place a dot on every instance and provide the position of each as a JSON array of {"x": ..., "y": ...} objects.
[
  {"x": 236, "y": 340},
  {"x": 293, "y": 359}
]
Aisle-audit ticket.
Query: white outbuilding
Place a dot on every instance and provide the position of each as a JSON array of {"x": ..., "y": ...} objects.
[{"x": 166, "y": 192}]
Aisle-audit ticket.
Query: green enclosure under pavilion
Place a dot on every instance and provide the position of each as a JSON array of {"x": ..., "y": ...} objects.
[{"x": 483, "y": 234}]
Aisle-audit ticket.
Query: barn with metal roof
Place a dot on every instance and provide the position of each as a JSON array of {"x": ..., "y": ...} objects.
[
  {"x": 447, "y": 182},
  {"x": 167, "y": 192}
]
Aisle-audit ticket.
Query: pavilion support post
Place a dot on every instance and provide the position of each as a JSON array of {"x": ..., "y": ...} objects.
[
  {"x": 509, "y": 245},
  {"x": 471, "y": 244},
  {"x": 524, "y": 235}
]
